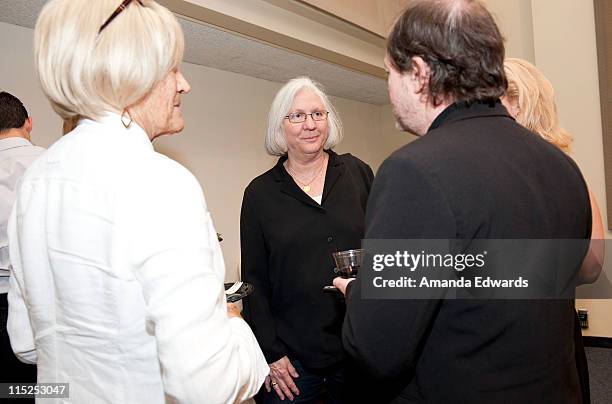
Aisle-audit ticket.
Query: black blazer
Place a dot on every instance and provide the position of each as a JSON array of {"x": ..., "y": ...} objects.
[
  {"x": 286, "y": 244},
  {"x": 476, "y": 174}
]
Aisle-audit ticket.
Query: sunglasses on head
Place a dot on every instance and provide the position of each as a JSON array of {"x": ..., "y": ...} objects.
[{"x": 118, "y": 11}]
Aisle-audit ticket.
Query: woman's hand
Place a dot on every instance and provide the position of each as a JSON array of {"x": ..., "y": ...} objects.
[
  {"x": 233, "y": 310},
  {"x": 281, "y": 378},
  {"x": 342, "y": 283}
]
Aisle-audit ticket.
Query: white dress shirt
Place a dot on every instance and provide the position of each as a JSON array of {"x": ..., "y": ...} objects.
[
  {"x": 16, "y": 155},
  {"x": 118, "y": 270}
]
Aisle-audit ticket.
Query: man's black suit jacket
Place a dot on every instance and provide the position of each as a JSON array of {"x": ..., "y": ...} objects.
[{"x": 476, "y": 174}]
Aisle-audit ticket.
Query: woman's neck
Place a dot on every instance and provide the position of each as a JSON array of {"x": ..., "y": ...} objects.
[{"x": 305, "y": 164}]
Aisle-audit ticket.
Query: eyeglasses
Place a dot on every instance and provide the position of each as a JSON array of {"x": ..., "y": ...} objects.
[
  {"x": 299, "y": 117},
  {"x": 118, "y": 11}
]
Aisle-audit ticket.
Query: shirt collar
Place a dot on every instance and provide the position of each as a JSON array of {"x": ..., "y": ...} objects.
[
  {"x": 112, "y": 120},
  {"x": 12, "y": 142},
  {"x": 288, "y": 186},
  {"x": 465, "y": 110}
]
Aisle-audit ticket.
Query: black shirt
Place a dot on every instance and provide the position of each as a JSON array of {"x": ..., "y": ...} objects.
[{"x": 287, "y": 240}]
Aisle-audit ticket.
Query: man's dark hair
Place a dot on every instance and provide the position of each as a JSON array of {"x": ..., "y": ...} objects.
[
  {"x": 12, "y": 112},
  {"x": 461, "y": 44}
]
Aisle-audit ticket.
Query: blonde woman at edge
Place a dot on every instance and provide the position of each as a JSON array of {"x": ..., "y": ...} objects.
[
  {"x": 530, "y": 99},
  {"x": 117, "y": 281}
]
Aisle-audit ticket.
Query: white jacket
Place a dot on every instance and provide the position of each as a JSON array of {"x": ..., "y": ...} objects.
[{"x": 117, "y": 278}]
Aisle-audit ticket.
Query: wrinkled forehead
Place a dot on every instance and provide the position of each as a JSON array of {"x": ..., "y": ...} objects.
[{"x": 306, "y": 97}]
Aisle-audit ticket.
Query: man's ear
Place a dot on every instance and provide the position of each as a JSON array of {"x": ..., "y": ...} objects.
[
  {"x": 421, "y": 74},
  {"x": 27, "y": 127}
]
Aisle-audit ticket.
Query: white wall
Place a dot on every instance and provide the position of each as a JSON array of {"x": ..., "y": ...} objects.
[
  {"x": 18, "y": 78},
  {"x": 514, "y": 19},
  {"x": 222, "y": 143}
]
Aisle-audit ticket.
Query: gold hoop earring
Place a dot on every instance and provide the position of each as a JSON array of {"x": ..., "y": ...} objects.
[{"x": 128, "y": 119}]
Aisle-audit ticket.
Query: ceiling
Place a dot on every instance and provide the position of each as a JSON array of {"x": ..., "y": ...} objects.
[{"x": 212, "y": 47}]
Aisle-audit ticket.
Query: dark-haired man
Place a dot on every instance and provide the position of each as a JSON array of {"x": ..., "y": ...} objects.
[
  {"x": 473, "y": 173},
  {"x": 16, "y": 154}
]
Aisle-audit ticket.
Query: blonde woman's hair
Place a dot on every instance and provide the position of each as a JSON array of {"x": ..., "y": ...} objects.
[
  {"x": 275, "y": 139},
  {"x": 85, "y": 73},
  {"x": 535, "y": 97}
]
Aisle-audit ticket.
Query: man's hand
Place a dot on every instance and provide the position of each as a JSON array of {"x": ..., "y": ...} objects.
[
  {"x": 233, "y": 310},
  {"x": 342, "y": 283},
  {"x": 281, "y": 377}
]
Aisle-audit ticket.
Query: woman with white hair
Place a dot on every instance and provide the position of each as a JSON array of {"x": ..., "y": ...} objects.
[
  {"x": 117, "y": 280},
  {"x": 294, "y": 216}
]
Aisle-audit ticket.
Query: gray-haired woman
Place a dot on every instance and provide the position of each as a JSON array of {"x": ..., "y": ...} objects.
[
  {"x": 117, "y": 281},
  {"x": 294, "y": 216}
]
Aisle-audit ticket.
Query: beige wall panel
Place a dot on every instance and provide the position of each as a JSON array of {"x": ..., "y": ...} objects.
[
  {"x": 388, "y": 11},
  {"x": 565, "y": 50},
  {"x": 599, "y": 315},
  {"x": 515, "y": 22},
  {"x": 603, "y": 25},
  {"x": 283, "y": 21},
  {"x": 390, "y": 138},
  {"x": 362, "y": 13},
  {"x": 374, "y": 15}
]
